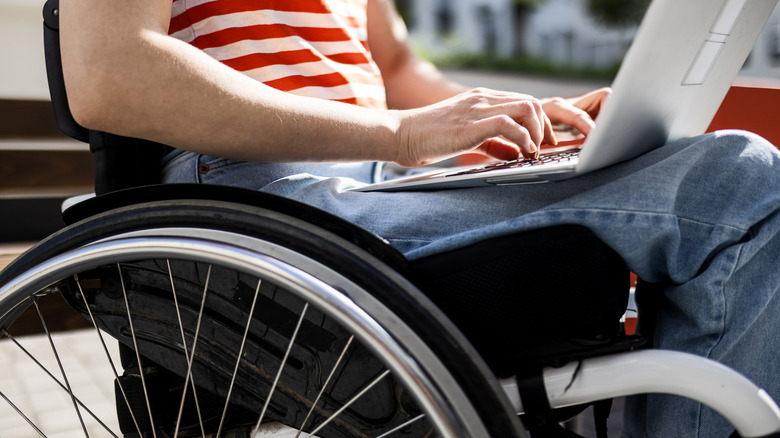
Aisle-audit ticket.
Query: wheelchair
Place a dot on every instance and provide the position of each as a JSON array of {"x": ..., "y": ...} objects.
[{"x": 237, "y": 313}]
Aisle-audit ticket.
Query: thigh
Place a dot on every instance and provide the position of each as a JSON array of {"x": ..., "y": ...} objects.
[
  {"x": 674, "y": 204},
  {"x": 188, "y": 167},
  {"x": 713, "y": 187}
]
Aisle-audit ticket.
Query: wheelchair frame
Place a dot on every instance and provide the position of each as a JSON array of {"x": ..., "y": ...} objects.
[{"x": 403, "y": 330}]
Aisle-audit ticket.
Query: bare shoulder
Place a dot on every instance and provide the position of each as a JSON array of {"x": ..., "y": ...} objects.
[
  {"x": 80, "y": 17},
  {"x": 100, "y": 41}
]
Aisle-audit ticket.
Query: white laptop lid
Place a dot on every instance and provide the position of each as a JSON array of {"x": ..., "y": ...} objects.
[
  {"x": 684, "y": 57},
  {"x": 674, "y": 77}
]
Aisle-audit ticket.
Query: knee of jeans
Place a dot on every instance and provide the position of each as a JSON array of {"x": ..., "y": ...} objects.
[
  {"x": 744, "y": 151},
  {"x": 731, "y": 138}
]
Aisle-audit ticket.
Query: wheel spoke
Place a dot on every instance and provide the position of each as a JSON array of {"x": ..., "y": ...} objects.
[
  {"x": 186, "y": 353},
  {"x": 57, "y": 381},
  {"x": 62, "y": 369},
  {"x": 108, "y": 355},
  {"x": 325, "y": 385},
  {"x": 19, "y": 411},
  {"x": 281, "y": 367},
  {"x": 137, "y": 354},
  {"x": 350, "y": 402},
  {"x": 191, "y": 356},
  {"x": 238, "y": 357},
  {"x": 401, "y": 426}
]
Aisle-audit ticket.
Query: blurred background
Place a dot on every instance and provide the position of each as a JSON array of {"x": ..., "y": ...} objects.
[
  {"x": 563, "y": 38},
  {"x": 539, "y": 47},
  {"x": 576, "y": 38}
]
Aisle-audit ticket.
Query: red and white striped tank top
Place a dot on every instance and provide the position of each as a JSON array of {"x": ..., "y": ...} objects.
[{"x": 315, "y": 48}]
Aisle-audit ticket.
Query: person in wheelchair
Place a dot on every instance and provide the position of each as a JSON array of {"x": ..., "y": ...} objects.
[{"x": 303, "y": 99}]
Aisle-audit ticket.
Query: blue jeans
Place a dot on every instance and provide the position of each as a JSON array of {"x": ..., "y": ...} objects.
[{"x": 701, "y": 216}]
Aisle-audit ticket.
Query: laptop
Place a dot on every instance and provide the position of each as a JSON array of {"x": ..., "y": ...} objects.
[{"x": 684, "y": 58}]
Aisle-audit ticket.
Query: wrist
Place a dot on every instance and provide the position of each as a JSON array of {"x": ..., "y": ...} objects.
[{"x": 404, "y": 147}]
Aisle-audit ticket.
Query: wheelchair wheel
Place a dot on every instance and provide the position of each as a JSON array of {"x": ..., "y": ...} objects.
[{"x": 241, "y": 321}]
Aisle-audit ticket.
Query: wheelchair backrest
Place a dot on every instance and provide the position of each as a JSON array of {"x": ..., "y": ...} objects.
[{"x": 120, "y": 162}]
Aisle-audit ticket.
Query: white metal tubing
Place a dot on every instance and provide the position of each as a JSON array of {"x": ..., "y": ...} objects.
[{"x": 750, "y": 409}]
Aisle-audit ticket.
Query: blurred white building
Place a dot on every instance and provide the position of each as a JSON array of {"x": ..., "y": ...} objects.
[
  {"x": 764, "y": 60},
  {"x": 457, "y": 26},
  {"x": 560, "y": 30}
]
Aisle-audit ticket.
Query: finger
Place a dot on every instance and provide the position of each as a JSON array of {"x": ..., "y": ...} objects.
[
  {"x": 542, "y": 122},
  {"x": 580, "y": 120},
  {"x": 489, "y": 93},
  {"x": 505, "y": 126},
  {"x": 530, "y": 115},
  {"x": 593, "y": 101},
  {"x": 525, "y": 110},
  {"x": 564, "y": 112},
  {"x": 499, "y": 148},
  {"x": 549, "y": 133},
  {"x": 538, "y": 130}
]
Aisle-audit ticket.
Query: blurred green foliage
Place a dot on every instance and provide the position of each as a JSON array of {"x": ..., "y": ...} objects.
[
  {"x": 528, "y": 64},
  {"x": 527, "y": 3},
  {"x": 617, "y": 13},
  {"x": 404, "y": 8}
]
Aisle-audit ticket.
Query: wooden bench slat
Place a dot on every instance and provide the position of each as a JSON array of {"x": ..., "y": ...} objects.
[
  {"x": 27, "y": 119},
  {"x": 40, "y": 171}
]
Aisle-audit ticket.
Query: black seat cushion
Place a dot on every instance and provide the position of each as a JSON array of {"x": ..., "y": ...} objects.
[{"x": 542, "y": 296}]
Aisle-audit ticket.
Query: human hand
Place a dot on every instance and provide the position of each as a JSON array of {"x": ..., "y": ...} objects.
[
  {"x": 498, "y": 124},
  {"x": 578, "y": 112}
]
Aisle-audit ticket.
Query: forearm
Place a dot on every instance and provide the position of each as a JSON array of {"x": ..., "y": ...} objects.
[
  {"x": 410, "y": 81},
  {"x": 416, "y": 83},
  {"x": 159, "y": 88},
  {"x": 125, "y": 75}
]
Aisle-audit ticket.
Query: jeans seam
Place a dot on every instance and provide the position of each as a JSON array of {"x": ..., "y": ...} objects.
[
  {"x": 722, "y": 291},
  {"x": 177, "y": 158},
  {"x": 218, "y": 163},
  {"x": 404, "y": 239},
  {"x": 644, "y": 212}
]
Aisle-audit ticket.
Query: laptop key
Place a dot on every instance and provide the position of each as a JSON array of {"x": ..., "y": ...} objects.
[{"x": 555, "y": 157}]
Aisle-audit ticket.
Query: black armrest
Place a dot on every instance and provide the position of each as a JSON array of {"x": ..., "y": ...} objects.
[{"x": 59, "y": 99}]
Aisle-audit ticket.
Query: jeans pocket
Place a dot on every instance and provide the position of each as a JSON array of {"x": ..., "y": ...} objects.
[{"x": 215, "y": 170}]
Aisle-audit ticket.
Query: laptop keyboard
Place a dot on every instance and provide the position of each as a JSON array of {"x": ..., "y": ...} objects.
[{"x": 556, "y": 157}]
